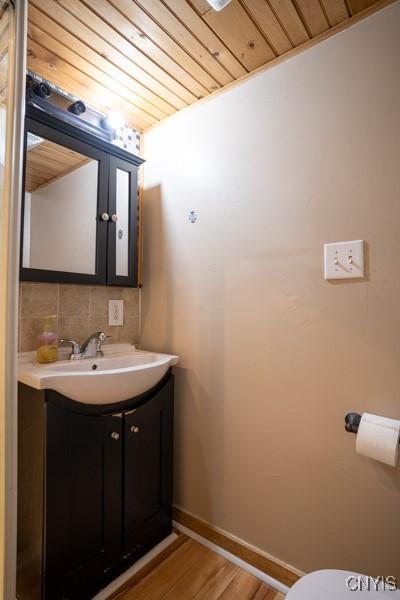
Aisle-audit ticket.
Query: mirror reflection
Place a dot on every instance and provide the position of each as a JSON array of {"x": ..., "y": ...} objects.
[
  {"x": 60, "y": 200},
  {"x": 122, "y": 206}
]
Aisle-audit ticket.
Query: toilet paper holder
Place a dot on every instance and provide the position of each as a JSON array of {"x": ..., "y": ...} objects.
[{"x": 352, "y": 422}]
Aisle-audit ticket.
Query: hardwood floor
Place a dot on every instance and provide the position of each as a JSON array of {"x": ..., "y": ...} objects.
[{"x": 192, "y": 571}]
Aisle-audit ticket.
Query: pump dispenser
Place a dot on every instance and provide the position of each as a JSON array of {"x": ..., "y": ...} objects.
[{"x": 47, "y": 348}]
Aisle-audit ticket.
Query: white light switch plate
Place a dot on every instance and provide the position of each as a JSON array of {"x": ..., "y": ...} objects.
[
  {"x": 344, "y": 260},
  {"x": 115, "y": 312}
]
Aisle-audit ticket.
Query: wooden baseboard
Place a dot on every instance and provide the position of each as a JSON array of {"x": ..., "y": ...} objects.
[
  {"x": 139, "y": 575},
  {"x": 268, "y": 565}
]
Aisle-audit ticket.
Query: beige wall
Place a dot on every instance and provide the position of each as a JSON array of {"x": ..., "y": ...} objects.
[
  {"x": 79, "y": 310},
  {"x": 273, "y": 356}
]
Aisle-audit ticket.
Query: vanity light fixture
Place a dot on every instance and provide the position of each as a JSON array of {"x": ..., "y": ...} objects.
[
  {"x": 113, "y": 121},
  {"x": 218, "y": 4},
  {"x": 44, "y": 99}
]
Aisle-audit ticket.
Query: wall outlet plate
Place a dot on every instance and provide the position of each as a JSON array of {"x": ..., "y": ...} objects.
[
  {"x": 344, "y": 260},
  {"x": 115, "y": 312}
]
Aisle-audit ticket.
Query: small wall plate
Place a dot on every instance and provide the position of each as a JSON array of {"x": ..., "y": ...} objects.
[
  {"x": 115, "y": 312},
  {"x": 344, "y": 260}
]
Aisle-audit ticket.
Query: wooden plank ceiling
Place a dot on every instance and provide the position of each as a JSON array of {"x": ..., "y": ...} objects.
[
  {"x": 47, "y": 162},
  {"x": 149, "y": 58}
]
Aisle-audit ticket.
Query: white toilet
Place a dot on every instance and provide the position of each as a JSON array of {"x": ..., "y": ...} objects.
[{"x": 334, "y": 585}]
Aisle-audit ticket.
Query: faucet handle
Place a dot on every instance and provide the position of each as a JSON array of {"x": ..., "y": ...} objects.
[
  {"x": 101, "y": 337},
  {"x": 75, "y": 347}
]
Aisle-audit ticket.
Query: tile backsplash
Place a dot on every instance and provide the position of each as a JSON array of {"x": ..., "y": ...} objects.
[{"x": 77, "y": 310}]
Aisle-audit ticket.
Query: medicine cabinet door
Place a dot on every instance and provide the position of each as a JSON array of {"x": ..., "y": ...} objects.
[
  {"x": 123, "y": 224},
  {"x": 64, "y": 231}
]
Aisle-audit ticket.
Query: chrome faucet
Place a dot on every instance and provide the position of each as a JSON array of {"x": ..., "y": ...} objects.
[{"x": 91, "y": 348}]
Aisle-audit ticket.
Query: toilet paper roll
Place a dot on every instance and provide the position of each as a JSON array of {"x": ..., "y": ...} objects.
[{"x": 378, "y": 438}]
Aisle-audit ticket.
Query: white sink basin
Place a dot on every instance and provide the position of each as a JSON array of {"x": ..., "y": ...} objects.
[{"x": 123, "y": 373}]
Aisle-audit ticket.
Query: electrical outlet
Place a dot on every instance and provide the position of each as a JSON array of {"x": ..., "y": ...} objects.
[{"x": 115, "y": 312}]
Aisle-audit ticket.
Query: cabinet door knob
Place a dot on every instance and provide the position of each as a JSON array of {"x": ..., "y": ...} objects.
[
  {"x": 105, "y": 216},
  {"x": 114, "y": 218},
  {"x": 135, "y": 429},
  {"x": 115, "y": 435}
]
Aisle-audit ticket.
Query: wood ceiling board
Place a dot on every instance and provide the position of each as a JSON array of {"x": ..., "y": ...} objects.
[
  {"x": 356, "y": 6},
  {"x": 266, "y": 20},
  {"x": 239, "y": 33},
  {"x": 336, "y": 11},
  {"x": 53, "y": 68},
  {"x": 162, "y": 26},
  {"x": 98, "y": 35},
  {"x": 202, "y": 7},
  {"x": 45, "y": 23},
  {"x": 149, "y": 58},
  {"x": 313, "y": 16},
  {"x": 192, "y": 21},
  {"x": 32, "y": 185},
  {"x": 108, "y": 33},
  {"x": 55, "y": 152},
  {"x": 109, "y": 49},
  {"x": 73, "y": 59},
  {"x": 59, "y": 176},
  {"x": 48, "y": 155},
  {"x": 45, "y": 169},
  {"x": 290, "y": 20},
  {"x": 59, "y": 152},
  {"x": 47, "y": 162},
  {"x": 165, "y": 52},
  {"x": 52, "y": 165},
  {"x": 48, "y": 65},
  {"x": 33, "y": 172}
]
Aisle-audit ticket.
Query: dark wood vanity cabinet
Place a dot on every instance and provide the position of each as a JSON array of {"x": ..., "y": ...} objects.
[{"x": 95, "y": 489}]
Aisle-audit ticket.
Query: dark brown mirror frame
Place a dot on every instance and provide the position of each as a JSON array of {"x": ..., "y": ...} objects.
[{"x": 110, "y": 158}]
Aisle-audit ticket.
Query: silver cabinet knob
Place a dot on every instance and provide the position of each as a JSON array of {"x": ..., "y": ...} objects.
[
  {"x": 105, "y": 216},
  {"x": 135, "y": 429},
  {"x": 115, "y": 435},
  {"x": 114, "y": 218}
]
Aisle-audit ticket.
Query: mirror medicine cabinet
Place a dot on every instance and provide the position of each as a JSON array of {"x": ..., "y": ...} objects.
[{"x": 80, "y": 206}]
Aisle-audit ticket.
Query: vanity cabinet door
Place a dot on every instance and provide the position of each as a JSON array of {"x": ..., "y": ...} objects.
[
  {"x": 83, "y": 501},
  {"x": 123, "y": 224},
  {"x": 65, "y": 208},
  {"x": 148, "y": 472}
]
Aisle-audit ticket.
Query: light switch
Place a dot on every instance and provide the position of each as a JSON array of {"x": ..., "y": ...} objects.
[
  {"x": 115, "y": 312},
  {"x": 344, "y": 260}
]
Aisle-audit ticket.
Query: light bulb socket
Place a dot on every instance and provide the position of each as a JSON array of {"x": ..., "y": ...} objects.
[
  {"x": 42, "y": 90},
  {"x": 77, "y": 108}
]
